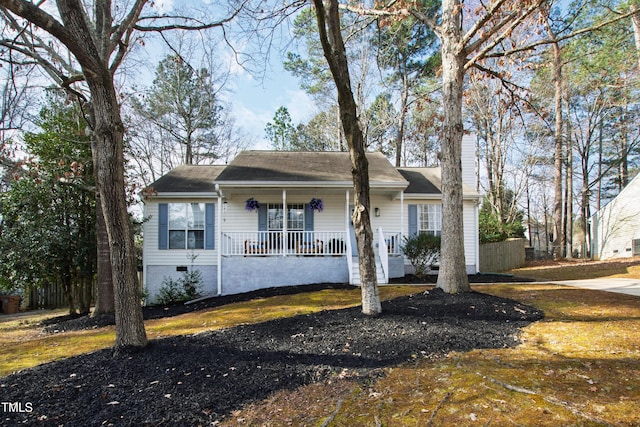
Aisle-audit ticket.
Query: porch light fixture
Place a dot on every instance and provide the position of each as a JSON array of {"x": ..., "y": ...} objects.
[{"x": 377, "y": 211}]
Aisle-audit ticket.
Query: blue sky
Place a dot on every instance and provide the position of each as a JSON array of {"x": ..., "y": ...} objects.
[{"x": 255, "y": 102}]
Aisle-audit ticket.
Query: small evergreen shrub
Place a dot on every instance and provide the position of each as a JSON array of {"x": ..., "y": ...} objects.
[
  {"x": 183, "y": 289},
  {"x": 422, "y": 250}
]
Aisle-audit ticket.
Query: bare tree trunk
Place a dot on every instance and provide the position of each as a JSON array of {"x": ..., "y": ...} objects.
[
  {"x": 67, "y": 288},
  {"x": 104, "y": 295},
  {"x": 529, "y": 215},
  {"x": 635, "y": 20},
  {"x": 108, "y": 132},
  {"x": 328, "y": 18},
  {"x": 452, "y": 277},
  {"x": 403, "y": 117},
  {"x": 569, "y": 199},
  {"x": 558, "y": 164},
  {"x": 600, "y": 146},
  {"x": 624, "y": 145}
]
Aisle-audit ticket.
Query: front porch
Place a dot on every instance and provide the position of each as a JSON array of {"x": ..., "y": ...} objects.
[
  {"x": 304, "y": 256},
  {"x": 303, "y": 243}
]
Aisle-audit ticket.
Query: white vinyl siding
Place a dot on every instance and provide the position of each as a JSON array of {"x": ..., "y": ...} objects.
[
  {"x": 617, "y": 225},
  {"x": 236, "y": 218},
  {"x": 471, "y": 238},
  {"x": 154, "y": 256},
  {"x": 469, "y": 225}
]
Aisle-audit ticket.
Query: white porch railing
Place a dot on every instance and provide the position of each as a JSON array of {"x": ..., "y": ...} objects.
[
  {"x": 278, "y": 243},
  {"x": 392, "y": 240}
]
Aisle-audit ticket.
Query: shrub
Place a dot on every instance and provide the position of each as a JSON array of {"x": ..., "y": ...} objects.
[
  {"x": 183, "y": 289},
  {"x": 422, "y": 250}
]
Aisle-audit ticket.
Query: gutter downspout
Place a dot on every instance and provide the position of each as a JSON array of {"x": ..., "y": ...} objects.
[{"x": 219, "y": 238}]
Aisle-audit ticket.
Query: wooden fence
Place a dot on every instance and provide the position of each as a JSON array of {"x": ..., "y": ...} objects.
[
  {"x": 502, "y": 256},
  {"x": 50, "y": 295}
]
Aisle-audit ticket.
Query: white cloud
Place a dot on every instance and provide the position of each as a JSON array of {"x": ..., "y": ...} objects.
[
  {"x": 252, "y": 121},
  {"x": 300, "y": 105},
  {"x": 163, "y": 6}
]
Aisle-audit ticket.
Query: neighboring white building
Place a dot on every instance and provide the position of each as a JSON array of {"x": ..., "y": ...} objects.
[
  {"x": 615, "y": 229},
  {"x": 300, "y": 231}
]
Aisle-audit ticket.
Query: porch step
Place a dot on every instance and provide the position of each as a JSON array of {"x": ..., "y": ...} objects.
[{"x": 355, "y": 273}]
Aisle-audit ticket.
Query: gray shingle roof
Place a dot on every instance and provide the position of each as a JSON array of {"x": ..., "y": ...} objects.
[
  {"x": 422, "y": 180},
  {"x": 188, "y": 179},
  {"x": 429, "y": 181},
  {"x": 296, "y": 166},
  {"x": 269, "y": 167}
]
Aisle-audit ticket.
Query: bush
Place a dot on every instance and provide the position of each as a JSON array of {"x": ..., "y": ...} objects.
[
  {"x": 422, "y": 250},
  {"x": 184, "y": 289},
  {"x": 493, "y": 229}
]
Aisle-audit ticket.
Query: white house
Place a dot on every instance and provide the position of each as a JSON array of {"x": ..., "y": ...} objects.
[
  {"x": 615, "y": 229},
  {"x": 274, "y": 218}
]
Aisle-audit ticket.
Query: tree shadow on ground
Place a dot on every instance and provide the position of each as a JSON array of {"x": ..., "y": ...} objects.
[{"x": 191, "y": 380}]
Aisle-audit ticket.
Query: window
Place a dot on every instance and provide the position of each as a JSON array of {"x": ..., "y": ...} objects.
[
  {"x": 430, "y": 219},
  {"x": 636, "y": 247},
  {"x": 186, "y": 225},
  {"x": 295, "y": 217}
]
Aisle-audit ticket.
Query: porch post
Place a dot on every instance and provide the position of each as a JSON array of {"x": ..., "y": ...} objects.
[
  {"x": 401, "y": 217},
  {"x": 285, "y": 219},
  {"x": 219, "y": 240},
  {"x": 346, "y": 214}
]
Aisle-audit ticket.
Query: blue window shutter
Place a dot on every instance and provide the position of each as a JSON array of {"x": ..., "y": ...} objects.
[
  {"x": 308, "y": 218},
  {"x": 163, "y": 226},
  {"x": 209, "y": 226},
  {"x": 262, "y": 222},
  {"x": 413, "y": 220},
  {"x": 262, "y": 217}
]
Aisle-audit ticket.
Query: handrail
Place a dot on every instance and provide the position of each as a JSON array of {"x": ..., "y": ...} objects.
[{"x": 383, "y": 252}]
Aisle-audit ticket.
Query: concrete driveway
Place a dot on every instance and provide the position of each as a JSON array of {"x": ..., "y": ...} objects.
[{"x": 623, "y": 286}]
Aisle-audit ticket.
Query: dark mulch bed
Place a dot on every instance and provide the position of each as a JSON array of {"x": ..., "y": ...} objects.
[
  {"x": 196, "y": 380},
  {"x": 77, "y": 322}
]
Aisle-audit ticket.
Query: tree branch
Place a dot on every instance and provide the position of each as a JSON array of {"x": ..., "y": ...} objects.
[
  {"x": 545, "y": 42},
  {"x": 34, "y": 14},
  {"x": 480, "y": 23},
  {"x": 483, "y": 53},
  {"x": 128, "y": 23},
  {"x": 198, "y": 26}
]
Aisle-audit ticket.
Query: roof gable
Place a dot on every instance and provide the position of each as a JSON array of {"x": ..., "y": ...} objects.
[{"x": 421, "y": 180}]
